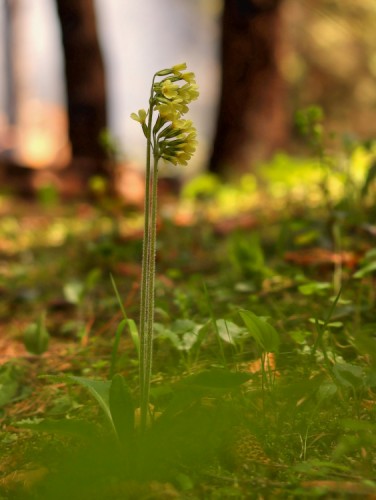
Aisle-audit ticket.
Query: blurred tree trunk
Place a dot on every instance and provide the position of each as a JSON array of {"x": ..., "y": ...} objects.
[
  {"x": 10, "y": 10},
  {"x": 85, "y": 85},
  {"x": 251, "y": 117},
  {"x": 13, "y": 175}
]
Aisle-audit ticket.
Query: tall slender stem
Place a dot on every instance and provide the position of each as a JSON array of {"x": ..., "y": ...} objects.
[
  {"x": 174, "y": 140},
  {"x": 149, "y": 319},
  {"x": 145, "y": 284}
]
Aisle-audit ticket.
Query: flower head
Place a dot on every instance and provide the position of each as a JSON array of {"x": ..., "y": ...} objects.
[{"x": 174, "y": 138}]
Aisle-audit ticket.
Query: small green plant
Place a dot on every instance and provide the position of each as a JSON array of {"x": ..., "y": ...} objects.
[
  {"x": 36, "y": 336},
  {"x": 247, "y": 257},
  {"x": 170, "y": 138},
  {"x": 267, "y": 340}
]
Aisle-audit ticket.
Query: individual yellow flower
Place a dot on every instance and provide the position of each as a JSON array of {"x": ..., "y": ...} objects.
[
  {"x": 189, "y": 92},
  {"x": 168, "y": 111},
  {"x": 183, "y": 158},
  {"x": 169, "y": 89},
  {"x": 140, "y": 117},
  {"x": 189, "y": 147},
  {"x": 188, "y": 77},
  {"x": 180, "y": 105},
  {"x": 185, "y": 125}
]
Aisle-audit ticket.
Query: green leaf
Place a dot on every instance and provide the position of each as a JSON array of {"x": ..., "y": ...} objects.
[
  {"x": 313, "y": 287},
  {"x": 115, "y": 347},
  {"x": 122, "y": 409},
  {"x": 231, "y": 332},
  {"x": 365, "y": 343},
  {"x": 131, "y": 324},
  {"x": 36, "y": 337},
  {"x": 100, "y": 390},
  {"x": 74, "y": 291},
  {"x": 264, "y": 334},
  {"x": 92, "y": 278},
  {"x": 335, "y": 324},
  {"x": 133, "y": 330},
  {"x": 371, "y": 176},
  {"x": 9, "y": 384},
  {"x": 216, "y": 378},
  {"x": 78, "y": 428},
  {"x": 212, "y": 383},
  {"x": 367, "y": 269},
  {"x": 349, "y": 375},
  {"x": 183, "y": 334},
  {"x": 359, "y": 425},
  {"x": 326, "y": 391}
]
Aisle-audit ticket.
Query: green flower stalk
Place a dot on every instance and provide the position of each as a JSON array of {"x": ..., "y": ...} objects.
[{"x": 173, "y": 139}]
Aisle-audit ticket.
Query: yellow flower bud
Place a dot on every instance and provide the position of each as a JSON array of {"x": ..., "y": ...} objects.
[{"x": 179, "y": 67}]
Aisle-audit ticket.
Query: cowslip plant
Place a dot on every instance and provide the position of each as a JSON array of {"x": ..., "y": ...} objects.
[{"x": 171, "y": 138}]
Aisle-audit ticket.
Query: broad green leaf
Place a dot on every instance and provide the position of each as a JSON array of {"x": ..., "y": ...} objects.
[
  {"x": 326, "y": 391},
  {"x": 100, "y": 390},
  {"x": 80, "y": 428},
  {"x": 349, "y": 375},
  {"x": 264, "y": 334},
  {"x": 122, "y": 409},
  {"x": 133, "y": 330},
  {"x": 115, "y": 347}
]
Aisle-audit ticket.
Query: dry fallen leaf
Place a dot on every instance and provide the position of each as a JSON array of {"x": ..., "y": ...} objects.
[
  {"x": 350, "y": 487},
  {"x": 25, "y": 479},
  {"x": 269, "y": 364},
  {"x": 321, "y": 256}
]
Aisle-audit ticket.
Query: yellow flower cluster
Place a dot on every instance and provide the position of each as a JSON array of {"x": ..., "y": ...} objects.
[
  {"x": 174, "y": 139},
  {"x": 178, "y": 142}
]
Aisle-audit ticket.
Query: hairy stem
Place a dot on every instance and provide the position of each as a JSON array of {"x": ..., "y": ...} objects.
[
  {"x": 149, "y": 319},
  {"x": 145, "y": 283}
]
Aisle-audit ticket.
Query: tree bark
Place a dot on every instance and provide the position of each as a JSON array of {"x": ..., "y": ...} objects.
[
  {"x": 85, "y": 84},
  {"x": 251, "y": 120},
  {"x": 10, "y": 12}
]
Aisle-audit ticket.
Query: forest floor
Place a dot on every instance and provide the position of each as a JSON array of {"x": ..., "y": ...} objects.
[{"x": 240, "y": 409}]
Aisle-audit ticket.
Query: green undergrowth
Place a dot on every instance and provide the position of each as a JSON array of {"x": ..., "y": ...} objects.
[{"x": 264, "y": 325}]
